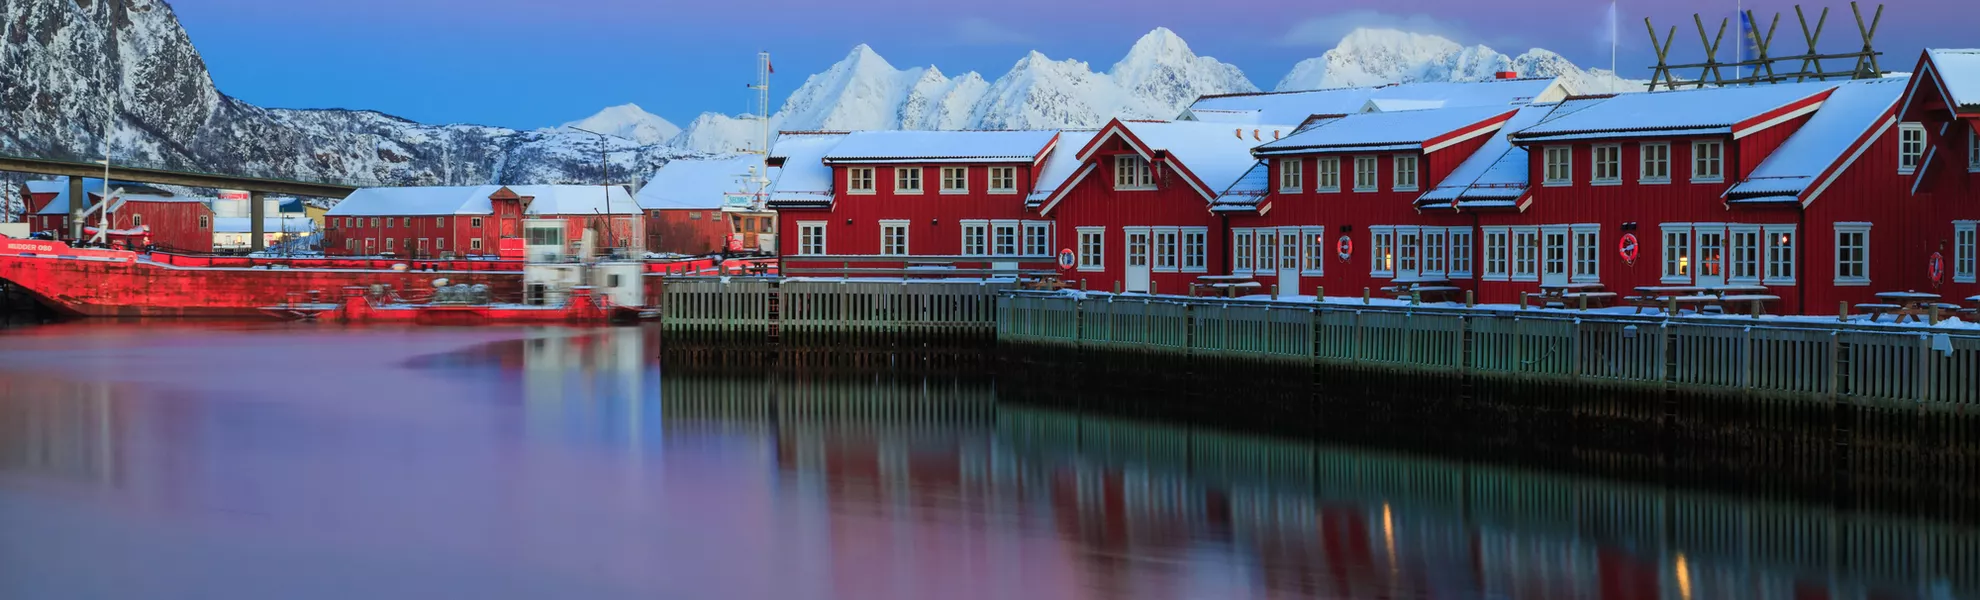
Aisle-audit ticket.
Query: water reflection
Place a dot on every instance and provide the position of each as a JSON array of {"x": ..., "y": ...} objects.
[{"x": 571, "y": 463}]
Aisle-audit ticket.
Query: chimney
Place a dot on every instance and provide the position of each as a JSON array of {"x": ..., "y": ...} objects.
[
  {"x": 1275, "y": 134},
  {"x": 1240, "y": 133},
  {"x": 1254, "y": 136},
  {"x": 1508, "y": 75}
]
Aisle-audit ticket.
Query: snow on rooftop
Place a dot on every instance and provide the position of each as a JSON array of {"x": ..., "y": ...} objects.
[
  {"x": 700, "y": 183},
  {"x": 268, "y": 225},
  {"x": 1061, "y": 164},
  {"x": 1295, "y": 107},
  {"x": 1248, "y": 190},
  {"x": 1959, "y": 70},
  {"x": 1481, "y": 174},
  {"x": 1386, "y": 130},
  {"x": 1289, "y": 107},
  {"x": 577, "y": 199},
  {"x": 1856, "y": 107},
  {"x": 1712, "y": 110},
  {"x": 882, "y": 146},
  {"x": 1218, "y": 153},
  {"x": 803, "y": 176},
  {"x": 473, "y": 200}
]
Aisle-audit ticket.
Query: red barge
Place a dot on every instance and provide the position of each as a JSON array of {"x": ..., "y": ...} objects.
[{"x": 93, "y": 282}]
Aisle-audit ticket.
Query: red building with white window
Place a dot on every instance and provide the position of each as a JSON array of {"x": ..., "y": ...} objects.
[
  {"x": 891, "y": 198},
  {"x": 1938, "y": 145},
  {"x": 706, "y": 206},
  {"x": 441, "y": 222}
]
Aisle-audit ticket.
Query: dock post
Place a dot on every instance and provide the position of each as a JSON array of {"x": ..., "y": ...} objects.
[
  {"x": 1756, "y": 309},
  {"x": 1470, "y": 300},
  {"x": 1082, "y": 285},
  {"x": 1670, "y": 308},
  {"x": 1230, "y": 292},
  {"x": 1117, "y": 287},
  {"x": 1415, "y": 298},
  {"x": 1932, "y": 312},
  {"x": 1522, "y": 300},
  {"x": 1154, "y": 288},
  {"x": 1275, "y": 291},
  {"x": 1842, "y": 311},
  {"x": 1320, "y": 294},
  {"x": 1584, "y": 303},
  {"x": 1364, "y": 295}
]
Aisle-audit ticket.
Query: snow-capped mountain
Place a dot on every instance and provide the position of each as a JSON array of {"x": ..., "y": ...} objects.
[
  {"x": 1157, "y": 78},
  {"x": 631, "y": 122},
  {"x": 1379, "y": 56}
]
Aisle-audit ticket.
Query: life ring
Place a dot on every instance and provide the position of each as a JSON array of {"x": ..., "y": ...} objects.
[
  {"x": 1628, "y": 248},
  {"x": 1937, "y": 267},
  {"x": 1344, "y": 247},
  {"x": 1068, "y": 259}
]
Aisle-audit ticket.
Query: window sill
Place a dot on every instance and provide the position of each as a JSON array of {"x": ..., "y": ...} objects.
[
  {"x": 1527, "y": 278},
  {"x": 1332, "y": 191},
  {"x": 1712, "y": 180},
  {"x": 1312, "y": 273},
  {"x": 1675, "y": 281},
  {"x": 1459, "y": 275},
  {"x": 1362, "y": 190},
  {"x": 1134, "y": 189},
  {"x": 1653, "y": 182},
  {"x": 1291, "y": 191},
  {"x": 1910, "y": 171},
  {"x": 1404, "y": 189},
  {"x": 1557, "y": 184},
  {"x": 905, "y": 193},
  {"x": 1092, "y": 270},
  {"x": 1777, "y": 282},
  {"x": 1852, "y": 283},
  {"x": 859, "y": 192},
  {"x": 1967, "y": 279},
  {"x": 1585, "y": 280},
  {"x": 1496, "y": 278},
  {"x": 1606, "y": 183},
  {"x": 1195, "y": 270},
  {"x": 955, "y": 192},
  {"x": 1003, "y": 192}
]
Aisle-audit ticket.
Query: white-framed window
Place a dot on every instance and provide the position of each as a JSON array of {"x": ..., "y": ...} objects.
[
  {"x": 1405, "y": 173},
  {"x": 439, "y": 221},
  {"x": 1195, "y": 249},
  {"x": 388, "y": 244},
  {"x": 1003, "y": 180},
  {"x": 1241, "y": 249},
  {"x": 474, "y": 244},
  {"x": 1656, "y": 163},
  {"x": 893, "y": 238},
  {"x": 1004, "y": 238},
  {"x": 1497, "y": 266},
  {"x": 1972, "y": 149},
  {"x": 475, "y": 222},
  {"x": 1676, "y": 251},
  {"x": 1780, "y": 254},
  {"x": 1268, "y": 251},
  {"x": 1587, "y": 253},
  {"x": 1037, "y": 238},
  {"x": 1290, "y": 177},
  {"x": 1315, "y": 241},
  {"x": 440, "y": 244},
  {"x": 1168, "y": 251},
  {"x": 1327, "y": 174},
  {"x": 1436, "y": 245},
  {"x": 1708, "y": 162},
  {"x": 408, "y": 222},
  {"x": 955, "y": 180},
  {"x": 859, "y": 180},
  {"x": 811, "y": 237},
  {"x": 1963, "y": 251},
  {"x": 1409, "y": 250},
  {"x": 1526, "y": 254},
  {"x": 422, "y": 246},
  {"x": 907, "y": 180},
  {"x": 1560, "y": 165},
  {"x": 1607, "y": 165},
  {"x": 1911, "y": 147},
  {"x": 137, "y": 221},
  {"x": 389, "y": 221},
  {"x": 1092, "y": 248},
  {"x": 374, "y": 221},
  {"x": 1131, "y": 172},
  {"x": 976, "y": 238},
  {"x": 1364, "y": 174},
  {"x": 1852, "y": 254},
  {"x": 1460, "y": 252},
  {"x": 1381, "y": 251},
  {"x": 1744, "y": 262}
]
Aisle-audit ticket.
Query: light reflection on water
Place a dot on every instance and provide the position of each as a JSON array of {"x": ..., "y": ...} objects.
[{"x": 301, "y": 463}]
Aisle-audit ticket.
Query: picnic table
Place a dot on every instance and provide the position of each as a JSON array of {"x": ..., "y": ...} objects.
[
  {"x": 1581, "y": 293},
  {"x": 1434, "y": 289},
  {"x": 1223, "y": 284},
  {"x": 1659, "y": 296},
  {"x": 1906, "y": 305}
]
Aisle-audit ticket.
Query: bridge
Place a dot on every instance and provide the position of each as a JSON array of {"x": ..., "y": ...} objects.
[{"x": 257, "y": 187}]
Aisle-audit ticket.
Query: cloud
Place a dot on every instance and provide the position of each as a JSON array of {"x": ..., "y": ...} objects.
[
  {"x": 1328, "y": 30},
  {"x": 978, "y": 31}
]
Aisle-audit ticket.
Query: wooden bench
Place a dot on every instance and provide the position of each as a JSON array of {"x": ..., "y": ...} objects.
[
  {"x": 1756, "y": 302},
  {"x": 1874, "y": 310}
]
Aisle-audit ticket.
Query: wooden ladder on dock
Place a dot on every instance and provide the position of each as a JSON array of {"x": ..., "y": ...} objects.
[{"x": 773, "y": 313}]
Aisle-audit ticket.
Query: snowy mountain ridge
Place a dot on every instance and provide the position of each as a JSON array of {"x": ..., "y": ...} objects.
[
  {"x": 1382, "y": 56},
  {"x": 628, "y": 121}
]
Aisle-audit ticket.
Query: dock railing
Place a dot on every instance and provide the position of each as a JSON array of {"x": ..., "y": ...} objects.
[
  {"x": 779, "y": 308},
  {"x": 1925, "y": 366}
]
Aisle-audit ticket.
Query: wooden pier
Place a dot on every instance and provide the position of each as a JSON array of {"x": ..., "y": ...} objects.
[
  {"x": 1893, "y": 366},
  {"x": 769, "y": 309}
]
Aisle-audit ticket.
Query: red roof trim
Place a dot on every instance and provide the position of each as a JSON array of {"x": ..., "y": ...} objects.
[
  {"x": 1474, "y": 129},
  {"x": 1761, "y": 121},
  {"x": 1842, "y": 163}
]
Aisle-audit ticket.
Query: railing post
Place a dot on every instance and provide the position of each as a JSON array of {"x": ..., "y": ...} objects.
[
  {"x": 1364, "y": 295},
  {"x": 1522, "y": 300},
  {"x": 1154, "y": 287},
  {"x": 1320, "y": 294},
  {"x": 1842, "y": 311},
  {"x": 1932, "y": 313},
  {"x": 1469, "y": 299},
  {"x": 1275, "y": 291},
  {"x": 1584, "y": 302}
]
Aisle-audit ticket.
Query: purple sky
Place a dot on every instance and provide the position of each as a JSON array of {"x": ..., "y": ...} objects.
[{"x": 531, "y": 63}]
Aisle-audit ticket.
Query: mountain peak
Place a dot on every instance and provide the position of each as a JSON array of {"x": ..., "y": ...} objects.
[{"x": 628, "y": 121}]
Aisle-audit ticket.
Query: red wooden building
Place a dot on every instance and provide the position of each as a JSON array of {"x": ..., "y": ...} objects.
[
  {"x": 892, "y": 198},
  {"x": 1936, "y": 147},
  {"x": 1341, "y": 195},
  {"x": 1135, "y": 209},
  {"x": 705, "y": 206},
  {"x": 470, "y": 220}
]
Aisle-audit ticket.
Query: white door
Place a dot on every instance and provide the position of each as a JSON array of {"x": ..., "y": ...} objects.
[
  {"x": 1711, "y": 257},
  {"x": 1289, "y": 257},
  {"x": 1137, "y": 259},
  {"x": 1553, "y": 256}
]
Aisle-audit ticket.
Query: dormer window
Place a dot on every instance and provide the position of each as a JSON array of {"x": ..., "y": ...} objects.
[
  {"x": 859, "y": 180},
  {"x": 1911, "y": 147},
  {"x": 1290, "y": 176},
  {"x": 907, "y": 180},
  {"x": 1131, "y": 172}
]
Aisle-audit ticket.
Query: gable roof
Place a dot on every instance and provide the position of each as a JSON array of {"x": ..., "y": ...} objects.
[
  {"x": 1389, "y": 131},
  {"x": 59, "y": 186},
  {"x": 941, "y": 146},
  {"x": 1846, "y": 125},
  {"x": 1735, "y": 111},
  {"x": 473, "y": 200},
  {"x": 1207, "y": 156},
  {"x": 1958, "y": 72},
  {"x": 1060, "y": 165},
  {"x": 1295, "y": 107},
  {"x": 802, "y": 178},
  {"x": 1496, "y": 175},
  {"x": 701, "y": 183},
  {"x": 576, "y": 199}
]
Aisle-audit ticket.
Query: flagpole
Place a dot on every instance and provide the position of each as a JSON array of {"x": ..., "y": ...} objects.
[{"x": 1739, "y": 50}]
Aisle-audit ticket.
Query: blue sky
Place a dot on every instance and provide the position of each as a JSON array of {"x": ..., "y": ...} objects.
[{"x": 533, "y": 63}]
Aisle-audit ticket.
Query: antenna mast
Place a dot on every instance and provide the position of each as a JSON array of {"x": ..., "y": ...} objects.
[{"x": 762, "y": 87}]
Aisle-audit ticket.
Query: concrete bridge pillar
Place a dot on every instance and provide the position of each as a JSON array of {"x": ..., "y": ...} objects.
[
  {"x": 256, "y": 212},
  {"x": 77, "y": 202}
]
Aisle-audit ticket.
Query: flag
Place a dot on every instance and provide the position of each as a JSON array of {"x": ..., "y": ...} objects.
[
  {"x": 770, "y": 65},
  {"x": 1750, "y": 38}
]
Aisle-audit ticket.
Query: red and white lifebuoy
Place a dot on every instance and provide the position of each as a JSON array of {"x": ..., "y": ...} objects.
[
  {"x": 1344, "y": 247},
  {"x": 1937, "y": 268},
  {"x": 1628, "y": 248},
  {"x": 1067, "y": 259}
]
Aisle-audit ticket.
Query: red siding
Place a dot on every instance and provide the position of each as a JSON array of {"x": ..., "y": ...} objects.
[
  {"x": 183, "y": 226},
  {"x": 934, "y": 218},
  {"x": 687, "y": 231},
  {"x": 1357, "y": 212},
  {"x": 1173, "y": 203}
]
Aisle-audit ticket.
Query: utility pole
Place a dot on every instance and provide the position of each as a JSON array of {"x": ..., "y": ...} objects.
[{"x": 605, "y": 169}]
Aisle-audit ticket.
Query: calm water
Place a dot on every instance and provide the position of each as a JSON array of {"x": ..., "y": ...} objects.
[{"x": 209, "y": 461}]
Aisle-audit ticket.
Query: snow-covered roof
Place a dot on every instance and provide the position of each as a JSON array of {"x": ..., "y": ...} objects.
[
  {"x": 1060, "y": 165},
  {"x": 1384, "y": 131},
  {"x": 473, "y": 200},
  {"x": 940, "y": 146},
  {"x": 803, "y": 178},
  {"x": 1247, "y": 191},
  {"x": 1217, "y": 153},
  {"x": 1497, "y": 171},
  {"x": 1295, "y": 107},
  {"x": 268, "y": 224},
  {"x": 1711, "y": 111},
  {"x": 1853, "y": 110},
  {"x": 1959, "y": 73},
  {"x": 700, "y": 183},
  {"x": 92, "y": 186}
]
